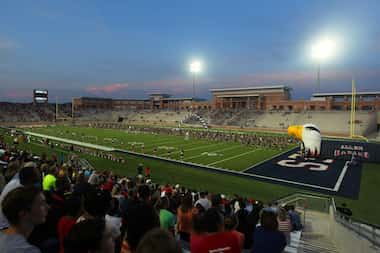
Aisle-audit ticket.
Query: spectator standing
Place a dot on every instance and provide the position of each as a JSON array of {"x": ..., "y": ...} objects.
[
  {"x": 230, "y": 224},
  {"x": 141, "y": 218},
  {"x": 284, "y": 224},
  {"x": 185, "y": 214},
  {"x": 203, "y": 201},
  {"x": 147, "y": 172},
  {"x": 49, "y": 180},
  {"x": 73, "y": 210},
  {"x": 345, "y": 212},
  {"x": 294, "y": 218},
  {"x": 210, "y": 236},
  {"x": 91, "y": 235},
  {"x": 167, "y": 218},
  {"x": 94, "y": 178},
  {"x": 267, "y": 238}
]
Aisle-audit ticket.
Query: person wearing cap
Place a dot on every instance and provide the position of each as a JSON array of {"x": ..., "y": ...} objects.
[{"x": 203, "y": 201}]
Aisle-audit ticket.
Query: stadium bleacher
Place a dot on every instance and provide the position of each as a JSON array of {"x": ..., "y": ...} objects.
[{"x": 331, "y": 122}]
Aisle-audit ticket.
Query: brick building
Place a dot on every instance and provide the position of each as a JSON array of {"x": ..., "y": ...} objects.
[
  {"x": 265, "y": 98},
  {"x": 278, "y": 98}
]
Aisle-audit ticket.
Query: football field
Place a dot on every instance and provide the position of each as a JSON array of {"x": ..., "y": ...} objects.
[
  {"x": 164, "y": 172},
  {"x": 225, "y": 155},
  {"x": 325, "y": 175}
]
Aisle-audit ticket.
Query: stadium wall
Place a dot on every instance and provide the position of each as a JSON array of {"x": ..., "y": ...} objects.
[{"x": 372, "y": 125}]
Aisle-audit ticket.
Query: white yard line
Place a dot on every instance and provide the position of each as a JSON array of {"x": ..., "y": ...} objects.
[
  {"x": 233, "y": 157},
  {"x": 160, "y": 144},
  {"x": 341, "y": 176},
  {"x": 190, "y": 149},
  {"x": 191, "y": 157},
  {"x": 80, "y": 143}
]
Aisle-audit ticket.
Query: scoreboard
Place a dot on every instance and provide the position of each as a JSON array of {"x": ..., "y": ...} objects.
[{"x": 40, "y": 96}]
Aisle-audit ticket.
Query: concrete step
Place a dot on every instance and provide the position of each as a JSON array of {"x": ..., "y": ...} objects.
[{"x": 316, "y": 242}]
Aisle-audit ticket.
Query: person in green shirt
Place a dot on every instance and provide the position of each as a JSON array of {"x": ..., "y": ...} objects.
[
  {"x": 48, "y": 183},
  {"x": 167, "y": 218}
]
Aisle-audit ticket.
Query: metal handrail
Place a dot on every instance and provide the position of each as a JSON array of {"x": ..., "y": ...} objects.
[{"x": 371, "y": 233}]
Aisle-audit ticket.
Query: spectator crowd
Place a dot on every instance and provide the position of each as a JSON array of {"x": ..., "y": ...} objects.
[{"x": 60, "y": 206}]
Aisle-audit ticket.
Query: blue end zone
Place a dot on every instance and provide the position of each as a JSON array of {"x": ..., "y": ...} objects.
[{"x": 327, "y": 175}]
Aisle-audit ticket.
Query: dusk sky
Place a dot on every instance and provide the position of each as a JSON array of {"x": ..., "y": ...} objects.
[{"x": 129, "y": 49}]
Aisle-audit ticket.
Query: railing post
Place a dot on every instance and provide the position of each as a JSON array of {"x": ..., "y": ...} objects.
[{"x": 374, "y": 234}]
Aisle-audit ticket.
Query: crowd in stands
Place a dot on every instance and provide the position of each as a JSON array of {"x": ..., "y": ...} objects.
[
  {"x": 58, "y": 206},
  {"x": 30, "y": 112},
  {"x": 251, "y": 139}
]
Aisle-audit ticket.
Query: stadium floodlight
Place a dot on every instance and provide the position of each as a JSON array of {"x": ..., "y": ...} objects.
[
  {"x": 323, "y": 50},
  {"x": 195, "y": 68}
]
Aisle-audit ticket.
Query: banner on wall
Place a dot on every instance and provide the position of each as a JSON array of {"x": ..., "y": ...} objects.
[{"x": 345, "y": 150}]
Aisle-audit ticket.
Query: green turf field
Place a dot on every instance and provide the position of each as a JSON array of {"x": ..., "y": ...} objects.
[
  {"x": 227, "y": 155},
  {"x": 365, "y": 208}
]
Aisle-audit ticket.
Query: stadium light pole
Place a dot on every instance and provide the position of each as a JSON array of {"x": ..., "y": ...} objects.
[
  {"x": 56, "y": 108},
  {"x": 321, "y": 51},
  {"x": 195, "y": 68}
]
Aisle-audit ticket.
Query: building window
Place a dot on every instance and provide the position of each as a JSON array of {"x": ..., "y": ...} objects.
[
  {"x": 367, "y": 108},
  {"x": 338, "y": 99},
  {"x": 337, "y": 107}
]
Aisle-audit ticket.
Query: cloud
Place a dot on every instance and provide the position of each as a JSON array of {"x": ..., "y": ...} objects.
[
  {"x": 109, "y": 88},
  {"x": 16, "y": 95},
  {"x": 176, "y": 86}
]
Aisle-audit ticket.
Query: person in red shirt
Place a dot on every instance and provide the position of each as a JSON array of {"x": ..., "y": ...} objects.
[
  {"x": 230, "y": 224},
  {"x": 210, "y": 236},
  {"x": 73, "y": 210},
  {"x": 147, "y": 172}
]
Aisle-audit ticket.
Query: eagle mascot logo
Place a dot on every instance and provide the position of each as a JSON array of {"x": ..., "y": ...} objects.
[{"x": 310, "y": 137}]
